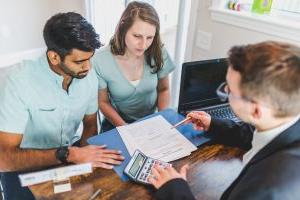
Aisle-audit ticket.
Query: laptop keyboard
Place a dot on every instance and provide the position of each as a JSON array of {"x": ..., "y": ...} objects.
[{"x": 223, "y": 112}]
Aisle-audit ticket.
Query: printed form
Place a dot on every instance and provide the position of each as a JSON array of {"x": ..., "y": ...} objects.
[{"x": 155, "y": 138}]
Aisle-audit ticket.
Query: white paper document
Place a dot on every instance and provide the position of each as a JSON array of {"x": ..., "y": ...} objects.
[
  {"x": 55, "y": 174},
  {"x": 155, "y": 138}
]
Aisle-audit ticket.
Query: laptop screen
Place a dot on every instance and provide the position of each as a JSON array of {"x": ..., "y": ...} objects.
[{"x": 199, "y": 81}]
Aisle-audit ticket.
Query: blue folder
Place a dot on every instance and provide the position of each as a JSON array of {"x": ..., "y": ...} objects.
[{"x": 114, "y": 141}]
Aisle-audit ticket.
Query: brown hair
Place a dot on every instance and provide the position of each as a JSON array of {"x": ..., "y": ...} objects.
[
  {"x": 146, "y": 13},
  {"x": 271, "y": 71}
]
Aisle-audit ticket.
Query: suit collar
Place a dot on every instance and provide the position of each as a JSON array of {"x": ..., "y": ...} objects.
[{"x": 287, "y": 137}]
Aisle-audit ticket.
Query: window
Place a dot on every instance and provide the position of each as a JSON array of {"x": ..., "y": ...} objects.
[
  {"x": 283, "y": 20},
  {"x": 286, "y": 7},
  {"x": 106, "y": 16},
  {"x": 291, "y": 6}
]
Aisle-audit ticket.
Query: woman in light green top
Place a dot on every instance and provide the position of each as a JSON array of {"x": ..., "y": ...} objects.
[{"x": 133, "y": 70}]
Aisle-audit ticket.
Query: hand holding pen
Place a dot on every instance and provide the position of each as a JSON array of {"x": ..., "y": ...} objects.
[
  {"x": 200, "y": 119},
  {"x": 184, "y": 121}
]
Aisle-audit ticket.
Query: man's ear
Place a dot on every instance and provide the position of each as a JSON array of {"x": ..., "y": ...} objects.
[
  {"x": 256, "y": 111},
  {"x": 53, "y": 57}
]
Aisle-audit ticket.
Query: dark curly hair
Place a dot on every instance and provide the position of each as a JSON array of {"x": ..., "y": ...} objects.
[{"x": 66, "y": 31}]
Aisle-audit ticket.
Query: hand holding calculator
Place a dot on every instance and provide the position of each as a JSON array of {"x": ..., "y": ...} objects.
[{"x": 140, "y": 166}]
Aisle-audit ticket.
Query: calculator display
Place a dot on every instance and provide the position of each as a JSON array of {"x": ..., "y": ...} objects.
[{"x": 136, "y": 165}]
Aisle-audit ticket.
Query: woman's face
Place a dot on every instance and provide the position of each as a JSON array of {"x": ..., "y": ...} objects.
[{"x": 139, "y": 37}]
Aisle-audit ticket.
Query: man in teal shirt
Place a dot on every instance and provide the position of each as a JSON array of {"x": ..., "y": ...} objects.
[{"x": 43, "y": 103}]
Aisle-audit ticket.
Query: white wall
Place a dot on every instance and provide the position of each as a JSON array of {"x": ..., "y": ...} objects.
[
  {"x": 223, "y": 35},
  {"x": 22, "y": 22}
]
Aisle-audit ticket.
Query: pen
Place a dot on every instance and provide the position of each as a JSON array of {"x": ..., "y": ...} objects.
[
  {"x": 181, "y": 122},
  {"x": 95, "y": 194}
]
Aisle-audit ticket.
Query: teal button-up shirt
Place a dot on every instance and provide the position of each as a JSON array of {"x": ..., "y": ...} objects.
[{"x": 33, "y": 103}]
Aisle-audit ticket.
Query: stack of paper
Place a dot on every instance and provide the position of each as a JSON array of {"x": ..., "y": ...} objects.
[{"x": 155, "y": 138}]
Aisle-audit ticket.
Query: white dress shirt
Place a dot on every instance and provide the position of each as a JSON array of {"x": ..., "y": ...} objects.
[{"x": 261, "y": 139}]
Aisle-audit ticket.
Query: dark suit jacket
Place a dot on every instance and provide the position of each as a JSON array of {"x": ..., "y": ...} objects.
[{"x": 273, "y": 173}]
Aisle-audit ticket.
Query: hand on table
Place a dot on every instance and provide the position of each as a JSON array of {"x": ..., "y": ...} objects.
[{"x": 99, "y": 156}]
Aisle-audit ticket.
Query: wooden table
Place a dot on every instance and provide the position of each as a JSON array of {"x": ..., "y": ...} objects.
[{"x": 212, "y": 168}]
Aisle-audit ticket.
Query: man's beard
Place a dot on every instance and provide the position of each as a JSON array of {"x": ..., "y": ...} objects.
[{"x": 72, "y": 73}]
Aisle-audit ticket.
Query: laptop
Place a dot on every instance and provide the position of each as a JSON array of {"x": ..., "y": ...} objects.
[{"x": 199, "y": 82}]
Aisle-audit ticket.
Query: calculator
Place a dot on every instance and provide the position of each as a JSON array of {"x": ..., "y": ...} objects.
[{"x": 140, "y": 166}]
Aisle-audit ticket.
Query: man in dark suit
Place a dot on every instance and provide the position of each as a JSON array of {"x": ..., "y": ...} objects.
[{"x": 263, "y": 88}]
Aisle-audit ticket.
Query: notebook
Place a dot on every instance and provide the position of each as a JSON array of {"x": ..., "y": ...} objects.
[{"x": 199, "y": 82}]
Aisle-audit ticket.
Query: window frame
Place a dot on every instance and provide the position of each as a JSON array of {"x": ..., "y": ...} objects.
[{"x": 269, "y": 24}]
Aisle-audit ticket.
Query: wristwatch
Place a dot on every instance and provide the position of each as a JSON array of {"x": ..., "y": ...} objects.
[{"x": 62, "y": 154}]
